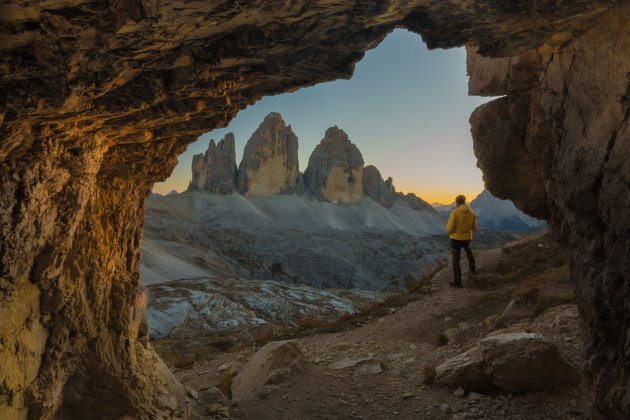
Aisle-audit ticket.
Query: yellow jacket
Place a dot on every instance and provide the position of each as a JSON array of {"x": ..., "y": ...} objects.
[{"x": 462, "y": 223}]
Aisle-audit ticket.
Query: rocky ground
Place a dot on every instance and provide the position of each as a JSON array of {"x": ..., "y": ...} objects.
[{"x": 381, "y": 364}]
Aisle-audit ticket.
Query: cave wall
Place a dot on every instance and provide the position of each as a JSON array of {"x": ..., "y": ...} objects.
[
  {"x": 97, "y": 100},
  {"x": 558, "y": 144}
]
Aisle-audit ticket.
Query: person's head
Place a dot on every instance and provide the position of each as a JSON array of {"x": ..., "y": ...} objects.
[{"x": 459, "y": 200}]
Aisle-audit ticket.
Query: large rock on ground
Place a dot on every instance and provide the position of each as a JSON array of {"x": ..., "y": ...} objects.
[
  {"x": 513, "y": 362},
  {"x": 215, "y": 170},
  {"x": 269, "y": 366},
  {"x": 335, "y": 169},
  {"x": 270, "y": 161}
]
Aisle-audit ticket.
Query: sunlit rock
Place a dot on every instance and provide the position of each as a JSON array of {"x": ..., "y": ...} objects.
[{"x": 270, "y": 161}]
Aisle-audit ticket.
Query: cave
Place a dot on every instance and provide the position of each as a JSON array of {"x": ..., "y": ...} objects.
[{"x": 97, "y": 100}]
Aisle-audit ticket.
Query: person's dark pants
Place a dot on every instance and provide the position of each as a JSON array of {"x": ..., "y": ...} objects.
[{"x": 456, "y": 249}]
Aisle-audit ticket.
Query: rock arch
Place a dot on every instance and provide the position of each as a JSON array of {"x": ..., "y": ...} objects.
[{"x": 97, "y": 99}]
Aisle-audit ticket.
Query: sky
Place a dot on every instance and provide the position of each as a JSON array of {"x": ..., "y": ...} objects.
[{"x": 406, "y": 108}]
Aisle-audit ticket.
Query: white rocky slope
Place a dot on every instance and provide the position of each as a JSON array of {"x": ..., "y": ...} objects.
[
  {"x": 185, "y": 309},
  {"x": 288, "y": 237},
  {"x": 496, "y": 214}
]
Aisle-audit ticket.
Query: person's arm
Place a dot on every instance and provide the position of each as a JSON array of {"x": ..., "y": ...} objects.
[
  {"x": 474, "y": 224},
  {"x": 450, "y": 226}
]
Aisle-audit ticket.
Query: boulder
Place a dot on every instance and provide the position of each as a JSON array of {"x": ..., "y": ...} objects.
[
  {"x": 377, "y": 189},
  {"x": 269, "y": 366},
  {"x": 335, "y": 169},
  {"x": 270, "y": 161},
  {"x": 215, "y": 170},
  {"x": 513, "y": 362}
]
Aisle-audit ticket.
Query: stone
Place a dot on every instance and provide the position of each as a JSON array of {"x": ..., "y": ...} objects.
[
  {"x": 215, "y": 170},
  {"x": 335, "y": 169},
  {"x": 513, "y": 362},
  {"x": 450, "y": 335},
  {"x": 367, "y": 368},
  {"x": 270, "y": 161},
  {"x": 268, "y": 367},
  {"x": 110, "y": 93},
  {"x": 522, "y": 306},
  {"x": 459, "y": 392},
  {"x": 192, "y": 393},
  {"x": 350, "y": 362},
  {"x": 445, "y": 408},
  {"x": 212, "y": 395},
  {"x": 375, "y": 188}
]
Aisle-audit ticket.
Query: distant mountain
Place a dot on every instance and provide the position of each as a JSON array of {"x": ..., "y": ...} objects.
[
  {"x": 337, "y": 225},
  {"x": 336, "y": 172},
  {"x": 171, "y": 192},
  {"x": 496, "y": 214},
  {"x": 443, "y": 209}
]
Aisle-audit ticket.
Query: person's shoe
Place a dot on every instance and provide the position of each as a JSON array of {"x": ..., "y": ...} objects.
[{"x": 453, "y": 284}]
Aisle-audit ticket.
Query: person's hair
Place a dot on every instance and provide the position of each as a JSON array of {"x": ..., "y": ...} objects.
[{"x": 460, "y": 199}]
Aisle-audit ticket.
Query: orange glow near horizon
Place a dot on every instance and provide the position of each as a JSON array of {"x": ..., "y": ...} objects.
[
  {"x": 437, "y": 194},
  {"x": 445, "y": 197}
]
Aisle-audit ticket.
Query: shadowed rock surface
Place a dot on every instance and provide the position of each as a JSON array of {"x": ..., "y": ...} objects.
[
  {"x": 215, "y": 170},
  {"x": 375, "y": 188},
  {"x": 335, "y": 169},
  {"x": 513, "y": 362},
  {"x": 98, "y": 99}
]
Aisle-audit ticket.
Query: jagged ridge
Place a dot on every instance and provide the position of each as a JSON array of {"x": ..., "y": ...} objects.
[{"x": 270, "y": 166}]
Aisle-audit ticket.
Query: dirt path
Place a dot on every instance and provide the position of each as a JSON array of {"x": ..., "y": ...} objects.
[{"x": 442, "y": 323}]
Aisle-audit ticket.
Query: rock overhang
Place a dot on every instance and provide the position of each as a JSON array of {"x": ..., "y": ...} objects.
[{"x": 98, "y": 99}]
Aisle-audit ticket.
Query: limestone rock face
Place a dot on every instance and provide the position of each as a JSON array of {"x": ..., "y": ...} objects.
[
  {"x": 513, "y": 362},
  {"x": 270, "y": 161},
  {"x": 557, "y": 144},
  {"x": 269, "y": 366},
  {"x": 375, "y": 188},
  {"x": 97, "y": 99},
  {"x": 335, "y": 169},
  {"x": 215, "y": 170},
  {"x": 415, "y": 202}
]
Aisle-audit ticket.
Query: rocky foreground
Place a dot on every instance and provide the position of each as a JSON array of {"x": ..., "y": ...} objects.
[{"x": 404, "y": 359}]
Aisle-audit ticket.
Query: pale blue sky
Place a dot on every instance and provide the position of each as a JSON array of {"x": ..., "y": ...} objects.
[{"x": 405, "y": 107}]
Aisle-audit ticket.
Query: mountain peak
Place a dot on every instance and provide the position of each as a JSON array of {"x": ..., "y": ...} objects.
[
  {"x": 335, "y": 169},
  {"x": 270, "y": 163},
  {"x": 215, "y": 170}
]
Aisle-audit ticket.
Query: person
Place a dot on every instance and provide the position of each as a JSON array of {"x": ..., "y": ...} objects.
[{"x": 460, "y": 227}]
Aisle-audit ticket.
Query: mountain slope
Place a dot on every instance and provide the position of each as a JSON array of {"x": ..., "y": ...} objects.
[
  {"x": 496, "y": 214},
  {"x": 288, "y": 237}
]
